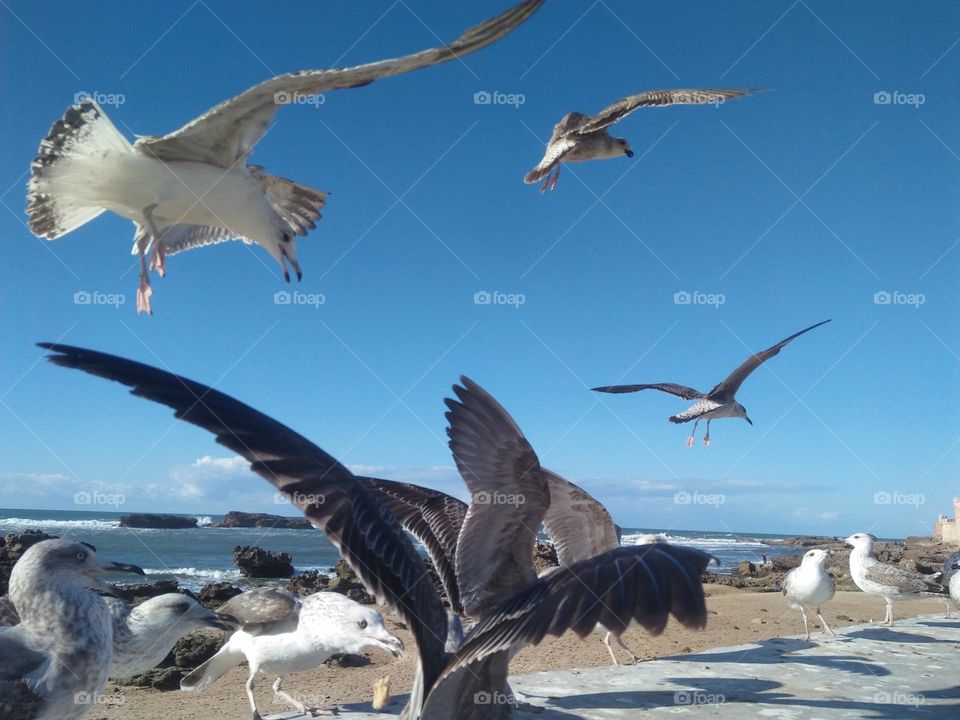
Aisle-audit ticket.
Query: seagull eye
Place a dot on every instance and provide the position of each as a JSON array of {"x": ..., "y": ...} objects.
[
  {"x": 362, "y": 624},
  {"x": 81, "y": 556}
]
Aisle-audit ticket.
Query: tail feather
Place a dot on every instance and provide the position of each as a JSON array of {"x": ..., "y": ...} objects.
[
  {"x": 225, "y": 659},
  {"x": 84, "y": 132}
]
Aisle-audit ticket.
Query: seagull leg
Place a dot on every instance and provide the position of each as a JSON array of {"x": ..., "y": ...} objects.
[
  {"x": 949, "y": 616},
  {"x": 806, "y": 628},
  {"x": 633, "y": 656},
  {"x": 824, "y": 623},
  {"x": 301, "y": 708},
  {"x": 606, "y": 641},
  {"x": 693, "y": 432},
  {"x": 158, "y": 259},
  {"x": 706, "y": 438},
  {"x": 144, "y": 291},
  {"x": 249, "y": 688},
  {"x": 888, "y": 619}
]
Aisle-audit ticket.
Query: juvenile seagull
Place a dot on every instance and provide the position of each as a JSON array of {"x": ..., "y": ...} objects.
[
  {"x": 56, "y": 661},
  {"x": 281, "y": 634},
  {"x": 951, "y": 566},
  {"x": 578, "y": 137},
  {"x": 193, "y": 186},
  {"x": 143, "y": 635},
  {"x": 810, "y": 585},
  {"x": 721, "y": 402},
  {"x": 883, "y": 580}
]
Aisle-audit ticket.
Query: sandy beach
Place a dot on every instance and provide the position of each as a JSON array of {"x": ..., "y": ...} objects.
[{"x": 736, "y": 616}]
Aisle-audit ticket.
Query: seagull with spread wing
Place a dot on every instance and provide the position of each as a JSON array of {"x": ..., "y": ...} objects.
[
  {"x": 721, "y": 401},
  {"x": 193, "y": 187},
  {"x": 579, "y": 138}
]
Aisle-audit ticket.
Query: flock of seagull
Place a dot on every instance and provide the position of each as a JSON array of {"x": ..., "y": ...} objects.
[{"x": 61, "y": 641}]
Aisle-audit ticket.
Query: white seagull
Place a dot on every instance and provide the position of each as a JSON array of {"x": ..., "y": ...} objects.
[
  {"x": 193, "y": 187},
  {"x": 721, "y": 401},
  {"x": 143, "y": 635},
  {"x": 809, "y": 585},
  {"x": 884, "y": 580},
  {"x": 579, "y": 138},
  {"x": 281, "y": 633},
  {"x": 951, "y": 568},
  {"x": 955, "y": 589},
  {"x": 54, "y": 664}
]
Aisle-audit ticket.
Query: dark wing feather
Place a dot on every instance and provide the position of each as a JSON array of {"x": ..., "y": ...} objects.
[
  {"x": 577, "y": 523},
  {"x": 366, "y": 534},
  {"x": 682, "y": 391},
  {"x": 432, "y": 517},
  {"x": 728, "y": 388},
  {"x": 657, "y": 98},
  {"x": 642, "y": 583}
]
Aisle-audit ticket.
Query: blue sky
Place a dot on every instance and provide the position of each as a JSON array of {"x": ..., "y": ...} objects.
[{"x": 795, "y": 205}]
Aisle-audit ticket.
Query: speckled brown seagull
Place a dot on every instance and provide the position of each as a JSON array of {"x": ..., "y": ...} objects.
[
  {"x": 193, "y": 187},
  {"x": 578, "y": 137},
  {"x": 720, "y": 402}
]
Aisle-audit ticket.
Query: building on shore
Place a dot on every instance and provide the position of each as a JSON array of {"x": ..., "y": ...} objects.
[{"x": 947, "y": 529}]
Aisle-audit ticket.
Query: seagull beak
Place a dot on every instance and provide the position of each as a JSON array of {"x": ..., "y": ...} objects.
[
  {"x": 109, "y": 567},
  {"x": 392, "y": 644},
  {"x": 629, "y": 153},
  {"x": 749, "y": 420}
]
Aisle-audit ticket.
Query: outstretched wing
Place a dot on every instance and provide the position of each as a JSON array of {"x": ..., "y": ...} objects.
[
  {"x": 297, "y": 204},
  {"x": 657, "y": 98},
  {"x": 366, "y": 534},
  {"x": 559, "y": 144},
  {"x": 726, "y": 390},
  {"x": 432, "y": 517},
  {"x": 577, "y": 523},
  {"x": 687, "y": 393},
  {"x": 228, "y": 132},
  {"x": 642, "y": 583}
]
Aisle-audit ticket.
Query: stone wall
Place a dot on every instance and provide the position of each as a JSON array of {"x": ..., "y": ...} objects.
[{"x": 947, "y": 529}]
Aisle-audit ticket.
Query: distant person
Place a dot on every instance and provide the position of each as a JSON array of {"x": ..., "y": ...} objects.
[{"x": 764, "y": 558}]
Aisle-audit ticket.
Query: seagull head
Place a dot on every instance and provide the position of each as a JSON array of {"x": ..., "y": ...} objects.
[
  {"x": 75, "y": 562},
  {"x": 861, "y": 541},
  {"x": 369, "y": 631},
  {"x": 283, "y": 248},
  {"x": 182, "y": 613},
  {"x": 817, "y": 556},
  {"x": 625, "y": 144},
  {"x": 741, "y": 412}
]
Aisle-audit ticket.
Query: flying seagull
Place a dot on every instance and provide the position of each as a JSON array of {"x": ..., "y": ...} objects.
[
  {"x": 193, "y": 187},
  {"x": 884, "y": 580},
  {"x": 281, "y": 633},
  {"x": 809, "y": 585},
  {"x": 579, "y": 138},
  {"x": 144, "y": 634},
  {"x": 721, "y": 402},
  {"x": 642, "y": 583},
  {"x": 54, "y": 664}
]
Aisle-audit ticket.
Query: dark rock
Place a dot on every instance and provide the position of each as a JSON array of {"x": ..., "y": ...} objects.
[
  {"x": 213, "y": 595},
  {"x": 196, "y": 648},
  {"x": 347, "y": 583},
  {"x": 235, "y": 518},
  {"x": 161, "y": 522},
  {"x": 257, "y": 562},
  {"x": 309, "y": 582},
  {"x": 347, "y": 660},
  {"x": 161, "y": 678},
  {"x": 14, "y": 545},
  {"x": 136, "y": 593}
]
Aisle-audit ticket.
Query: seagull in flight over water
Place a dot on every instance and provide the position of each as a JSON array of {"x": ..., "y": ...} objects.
[
  {"x": 721, "y": 402},
  {"x": 193, "y": 187}
]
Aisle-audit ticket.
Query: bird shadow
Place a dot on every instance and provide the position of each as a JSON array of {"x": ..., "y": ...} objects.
[
  {"x": 889, "y": 635},
  {"x": 777, "y": 651},
  {"x": 940, "y": 624}
]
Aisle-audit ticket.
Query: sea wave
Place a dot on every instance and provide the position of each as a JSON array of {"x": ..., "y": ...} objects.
[
  {"x": 192, "y": 572},
  {"x": 20, "y": 524},
  {"x": 204, "y": 521}
]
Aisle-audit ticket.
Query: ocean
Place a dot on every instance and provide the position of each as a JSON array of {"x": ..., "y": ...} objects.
[{"x": 201, "y": 555}]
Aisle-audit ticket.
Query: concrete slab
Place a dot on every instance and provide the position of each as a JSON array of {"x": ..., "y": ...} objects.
[{"x": 909, "y": 671}]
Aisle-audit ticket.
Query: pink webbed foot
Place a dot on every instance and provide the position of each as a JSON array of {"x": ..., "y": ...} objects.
[
  {"x": 706, "y": 440},
  {"x": 143, "y": 297},
  {"x": 158, "y": 260},
  {"x": 690, "y": 441}
]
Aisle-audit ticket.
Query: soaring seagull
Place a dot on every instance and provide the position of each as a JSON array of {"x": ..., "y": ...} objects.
[
  {"x": 721, "y": 402},
  {"x": 281, "y": 633},
  {"x": 193, "y": 187},
  {"x": 55, "y": 662},
  {"x": 578, "y": 137}
]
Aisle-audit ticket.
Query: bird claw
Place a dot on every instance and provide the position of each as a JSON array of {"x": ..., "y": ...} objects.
[
  {"x": 690, "y": 441},
  {"x": 143, "y": 298},
  {"x": 706, "y": 441}
]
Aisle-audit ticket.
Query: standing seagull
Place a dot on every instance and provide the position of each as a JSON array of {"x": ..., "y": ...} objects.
[
  {"x": 951, "y": 568},
  {"x": 280, "y": 634},
  {"x": 720, "y": 402},
  {"x": 810, "y": 585},
  {"x": 578, "y": 137},
  {"x": 56, "y": 661},
  {"x": 193, "y": 186},
  {"x": 883, "y": 580}
]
